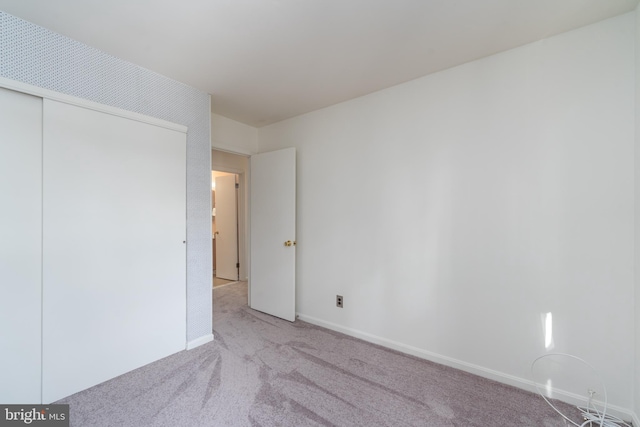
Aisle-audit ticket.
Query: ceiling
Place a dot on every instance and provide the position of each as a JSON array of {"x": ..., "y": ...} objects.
[{"x": 267, "y": 60}]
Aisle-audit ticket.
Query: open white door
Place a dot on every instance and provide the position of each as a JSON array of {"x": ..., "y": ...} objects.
[
  {"x": 226, "y": 228},
  {"x": 273, "y": 227}
]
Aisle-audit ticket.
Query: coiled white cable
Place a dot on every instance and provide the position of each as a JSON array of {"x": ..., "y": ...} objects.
[{"x": 590, "y": 413}]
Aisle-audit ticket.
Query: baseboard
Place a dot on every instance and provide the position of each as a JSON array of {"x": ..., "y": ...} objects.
[
  {"x": 226, "y": 284},
  {"x": 199, "y": 341},
  {"x": 481, "y": 371}
]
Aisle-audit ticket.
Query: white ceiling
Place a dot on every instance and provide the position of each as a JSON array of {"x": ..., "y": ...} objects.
[{"x": 267, "y": 60}]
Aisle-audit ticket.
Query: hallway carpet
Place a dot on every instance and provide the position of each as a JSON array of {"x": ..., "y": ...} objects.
[
  {"x": 263, "y": 371},
  {"x": 221, "y": 282}
]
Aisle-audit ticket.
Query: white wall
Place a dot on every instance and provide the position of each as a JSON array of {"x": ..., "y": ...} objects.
[
  {"x": 453, "y": 210},
  {"x": 232, "y": 136},
  {"x": 223, "y": 161},
  {"x": 637, "y": 225}
]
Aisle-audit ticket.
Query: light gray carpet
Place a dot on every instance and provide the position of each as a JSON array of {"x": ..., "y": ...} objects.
[{"x": 263, "y": 371}]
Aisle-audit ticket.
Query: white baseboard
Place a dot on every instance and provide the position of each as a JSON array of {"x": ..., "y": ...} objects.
[
  {"x": 199, "y": 341},
  {"x": 481, "y": 371}
]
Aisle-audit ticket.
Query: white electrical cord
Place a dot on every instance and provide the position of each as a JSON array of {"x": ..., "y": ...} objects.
[{"x": 590, "y": 413}]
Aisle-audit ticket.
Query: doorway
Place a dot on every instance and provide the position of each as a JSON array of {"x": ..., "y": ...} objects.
[
  {"x": 276, "y": 172},
  {"x": 222, "y": 163},
  {"x": 224, "y": 226}
]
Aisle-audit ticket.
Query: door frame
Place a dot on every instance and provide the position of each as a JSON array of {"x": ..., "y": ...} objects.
[
  {"x": 243, "y": 210},
  {"x": 236, "y": 226}
]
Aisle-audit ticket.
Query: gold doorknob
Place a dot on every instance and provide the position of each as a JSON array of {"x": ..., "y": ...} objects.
[{"x": 288, "y": 243}]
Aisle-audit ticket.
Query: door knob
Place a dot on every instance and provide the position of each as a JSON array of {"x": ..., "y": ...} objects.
[{"x": 290, "y": 243}]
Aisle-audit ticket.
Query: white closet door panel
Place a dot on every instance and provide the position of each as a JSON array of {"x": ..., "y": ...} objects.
[
  {"x": 20, "y": 247},
  {"x": 114, "y": 258}
]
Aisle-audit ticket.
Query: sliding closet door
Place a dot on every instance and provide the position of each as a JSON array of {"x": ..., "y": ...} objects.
[
  {"x": 114, "y": 253},
  {"x": 20, "y": 246}
]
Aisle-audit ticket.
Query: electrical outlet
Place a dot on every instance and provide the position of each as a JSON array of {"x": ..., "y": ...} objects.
[{"x": 339, "y": 301}]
